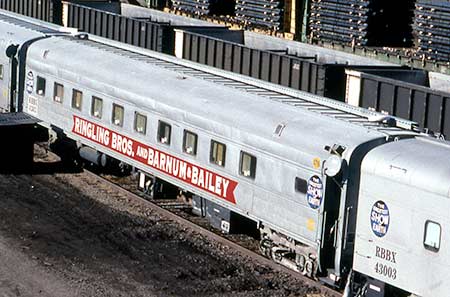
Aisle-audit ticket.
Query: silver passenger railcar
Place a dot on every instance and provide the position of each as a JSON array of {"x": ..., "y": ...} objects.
[
  {"x": 240, "y": 149},
  {"x": 297, "y": 164}
]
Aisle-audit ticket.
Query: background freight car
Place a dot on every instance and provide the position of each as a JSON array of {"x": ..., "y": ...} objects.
[
  {"x": 147, "y": 32},
  {"x": 411, "y": 94},
  {"x": 46, "y": 10},
  {"x": 299, "y": 66},
  {"x": 52, "y": 10}
]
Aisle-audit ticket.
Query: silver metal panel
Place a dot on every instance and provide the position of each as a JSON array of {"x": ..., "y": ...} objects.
[{"x": 411, "y": 179}]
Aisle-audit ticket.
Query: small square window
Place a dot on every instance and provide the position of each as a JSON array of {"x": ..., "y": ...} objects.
[
  {"x": 117, "y": 116},
  {"x": 40, "y": 86},
  {"x": 190, "y": 143},
  {"x": 140, "y": 123},
  {"x": 164, "y": 131},
  {"x": 58, "y": 93},
  {"x": 432, "y": 236},
  {"x": 77, "y": 99},
  {"x": 218, "y": 152},
  {"x": 301, "y": 185},
  {"x": 97, "y": 107},
  {"x": 248, "y": 165},
  {"x": 1, "y": 71}
]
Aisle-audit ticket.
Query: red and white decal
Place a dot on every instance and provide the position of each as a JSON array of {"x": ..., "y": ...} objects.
[{"x": 199, "y": 177}]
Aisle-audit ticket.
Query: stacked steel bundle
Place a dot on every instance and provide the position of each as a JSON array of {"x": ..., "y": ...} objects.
[
  {"x": 198, "y": 7},
  {"x": 265, "y": 14},
  {"x": 341, "y": 21},
  {"x": 205, "y": 7},
  {"x": 432, "y": 26},
  {"x": 362, "y": 22}
]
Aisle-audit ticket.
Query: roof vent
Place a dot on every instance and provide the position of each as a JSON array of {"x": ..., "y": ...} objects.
[{"x": 279, "y": 129}]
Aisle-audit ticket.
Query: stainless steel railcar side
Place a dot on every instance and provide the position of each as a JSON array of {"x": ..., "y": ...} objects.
[{"x": 288, "y": 143}]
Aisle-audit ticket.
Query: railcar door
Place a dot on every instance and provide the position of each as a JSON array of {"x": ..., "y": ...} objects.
[
  {"x": 8, "y": 76},
  {"x": 329, "y": 223}
]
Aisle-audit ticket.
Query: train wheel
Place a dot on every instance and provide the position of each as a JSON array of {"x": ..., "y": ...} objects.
[{"x": 265, "y": 247}]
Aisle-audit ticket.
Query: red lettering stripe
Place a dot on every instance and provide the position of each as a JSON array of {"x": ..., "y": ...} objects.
[{"x": 184, "y": 171}]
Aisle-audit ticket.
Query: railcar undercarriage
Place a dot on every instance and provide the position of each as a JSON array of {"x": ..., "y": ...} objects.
[{"x": 289, "y": 252}]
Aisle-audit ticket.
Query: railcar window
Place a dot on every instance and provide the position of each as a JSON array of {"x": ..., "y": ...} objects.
[
  {"x": 218, "y": 152},
  {"x": 58, "y": 93},
  {"x": 248, "y": 165},
  {"x": 164, "y": 131},
  {"x": 77, "y": 99},
  {"x": 40, "y": 86},
  {"x": 1, "y": 71},
  {"x": 301, "y": 185},
  {"x": 190, "y": 143},
  {"x": 140, "y": 123},
  {"x": 97, "y": 107},
  {"x": 117, "y": 116},
  {"x": 432, "y": 236}
]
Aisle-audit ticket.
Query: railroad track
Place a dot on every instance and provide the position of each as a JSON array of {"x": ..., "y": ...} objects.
[{"x": 164, "y": 210}]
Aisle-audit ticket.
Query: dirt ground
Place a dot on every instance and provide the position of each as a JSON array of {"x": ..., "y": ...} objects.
[{"x": 62, "y": 234}]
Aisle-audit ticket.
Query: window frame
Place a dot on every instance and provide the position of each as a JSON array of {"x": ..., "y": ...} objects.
[
  {"x": 252, "y": 166},
  {"x": 425, "y": 244},
  {"x": 93, "y": 100},
  {"x": 38, "y": 80},
  {"x": 136, "y": 114},
  {"x": 162, "y": 124},
  {"x": 113, "y": 116},
  {"x": 73, "y": 99},
  {"x": 56, "y": 88},
  {"x": 212, "y": 156},
  {"x": 185, "y": 148}
]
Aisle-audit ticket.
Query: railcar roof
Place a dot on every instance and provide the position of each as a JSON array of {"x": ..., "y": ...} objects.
[
  {"x": 21, "y": 24},
  {"x": 15, "y": 34},
  {"x": 197, "y": 94},
  {"x": 420, "y": 162}
]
